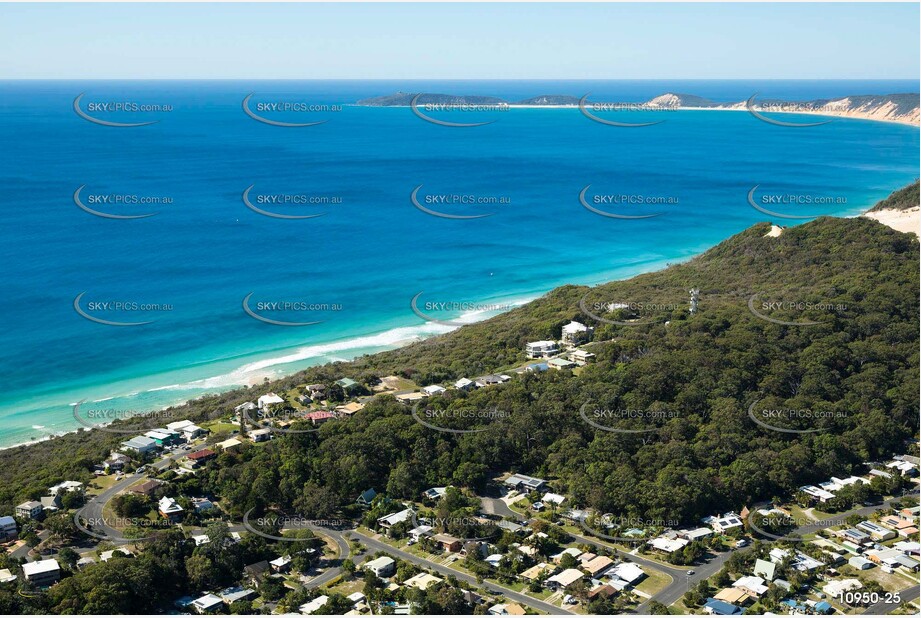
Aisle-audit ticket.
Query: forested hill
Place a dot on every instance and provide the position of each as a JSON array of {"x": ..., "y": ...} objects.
[
  {"x": 855, "y": 369},
  {"x": 905, "y": 198}
]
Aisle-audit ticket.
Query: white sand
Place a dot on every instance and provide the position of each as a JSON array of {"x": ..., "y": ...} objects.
[
  {"x": 901, "y": 220},
  {"x": 776, "y": 231}
]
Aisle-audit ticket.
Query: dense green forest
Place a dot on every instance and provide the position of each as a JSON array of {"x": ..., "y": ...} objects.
[
  {"x": 903, "y": 199},
  {"x": 697, "y": 376}
]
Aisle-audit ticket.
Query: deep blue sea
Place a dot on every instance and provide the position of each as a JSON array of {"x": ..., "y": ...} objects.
[{"x": 355, "y": 269}]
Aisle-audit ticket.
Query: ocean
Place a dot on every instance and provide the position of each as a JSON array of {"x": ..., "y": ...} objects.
[{"x": 352, "y": 272}]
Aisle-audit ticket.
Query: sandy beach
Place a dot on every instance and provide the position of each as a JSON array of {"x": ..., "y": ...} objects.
[{"x": 901, "y": 220}]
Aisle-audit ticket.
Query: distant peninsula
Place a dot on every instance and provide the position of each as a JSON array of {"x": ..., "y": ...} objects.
[{"x": 902, "y": 108}]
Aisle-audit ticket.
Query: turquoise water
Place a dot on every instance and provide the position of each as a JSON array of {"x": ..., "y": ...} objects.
[{"x": 372, "y": 250}]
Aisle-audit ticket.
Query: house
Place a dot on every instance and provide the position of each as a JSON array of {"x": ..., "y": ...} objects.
[
  {"x": 598, "y": 566},
  {"x": 435, "y": 493},
  {"x": 116, "y": 461},
  {"x": 523, "y": 482},
  {"x": 50, "y": 503},
  {"x": 115, "y": 553},
  {"x": 229, "y": 445},
  {"x": 510, "y": 526},
  {"x": 170, "y": 509},
  {"x": 696, "y": 534},
  {"x": 198, "y": 458},
  {"x": 434, "y": 389},
  {"x": 752, "y": 584},
  {"x": 734, "y": 596},
  {"x": 422, "y": 581},
  {"x": 857, "y": 537},
  {"x": 366, "y": 497},
  {"x": 202, "y": 504},
  {"x": 348, "y": 384},
  {"x": 715, "y": 607},
  {"x": 313, "y": 606},
  {"x": 627, "y": 572},
  {"x": 575, "y": 333},
  {"x": 860, "y": 563},
  {"x": 247, "y": 406},
  {"x": 765, "y": 569},
  {"x": 447, "y": 542},
  {"x": 351, "y": 408},
  {"x": 564, "y": 579},
  {"x": 393, "y": 519},
  {"x": 260, "y": 435},
  {"x": 552, "y": 498},
  {"x": 257, "y": 572},
  {"x": 7, "y": 577},
  {"x": 560, "y": 363},
  {"x": 569, "y": 551},
  {"x": 535, "y": 572},
  {"x": 537, "y": 368},
  {"x": 236, "y": 593},
  {"x": 66, "y": 487},
  {"x": 188, "y": 429},
  {"x": 506, "y": 609},
  {"x": 147, "y": 488},
  {"x": 410, "y": 397},
  {"x": 542, "y": 349},
  {"x": 492, "y": 379},
  {"x": 207, "y": 604},
  {"x": 316, "y": 390},
  {"x": 667, "y": 545},
  {"x": 909, "y": 548},
  {"x": 420, "y": 532},
  {"x": 817, "y": 494},
  {"x": 282, "y": 564},
  {"x": 800, "y": 562},
  {"x": 319, "y": 417},
  {"x": 381, "y": 567},
  {"x": 581, "y": 357},
  {"x": 42, "y": 573},
  {"x": 29, "y": 510},
  {"x": 140, "y": 445},
  {"x": 465, "y": 384},
  {"x": 268, "y": 400},
  {"x": 8, "y": 529},
  {"x": 876, "y": 532},
  {"x": 163, "y": 437},
  {"x": 835, "y": 588},
  {"x": 493, "y": 560},
  {"x": 725, "y": 523}
]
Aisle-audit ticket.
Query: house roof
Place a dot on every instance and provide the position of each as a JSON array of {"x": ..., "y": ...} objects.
[
  {"x": 598, "y": 564},
  {"x": 40, "y": 566},
  {"x": 722, "y": 608},
  {"x": 202, "y": 454},
  {"x": 422, "y": 581}
]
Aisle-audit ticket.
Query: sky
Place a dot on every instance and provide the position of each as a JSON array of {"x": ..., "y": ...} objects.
[{"x": 460, "y": 41}]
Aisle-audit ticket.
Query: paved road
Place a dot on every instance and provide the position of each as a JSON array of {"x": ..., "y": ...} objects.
[
  {"x": 909, "y": 594},
  {"x": 93, "y": 510},
  {"x": 495, "y": 588}
]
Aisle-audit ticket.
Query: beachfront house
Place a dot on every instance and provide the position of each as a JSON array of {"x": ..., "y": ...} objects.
[
  {"x": 189, "y": 430},
  {"x": 267, "y": 401}
]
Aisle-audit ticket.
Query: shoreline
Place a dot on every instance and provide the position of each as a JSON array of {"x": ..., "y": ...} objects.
[
  {"x": 895, "y": 219},
  {"x": 830, "y": 114}
]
